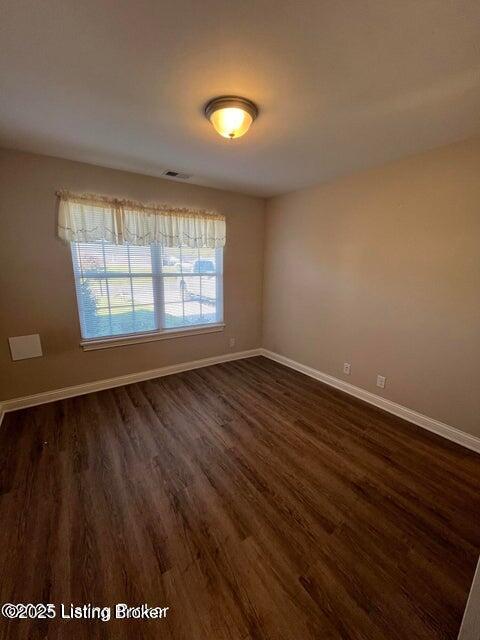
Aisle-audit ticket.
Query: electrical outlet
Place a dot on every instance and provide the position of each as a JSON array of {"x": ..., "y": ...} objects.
[
  {"x": 381, "y": 380},
  {"x": 347, "y": 367},
  {"x": 231, "y": 342}
]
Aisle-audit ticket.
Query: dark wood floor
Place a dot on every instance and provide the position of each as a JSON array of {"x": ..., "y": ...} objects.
[{"x": 253, "y": 501}]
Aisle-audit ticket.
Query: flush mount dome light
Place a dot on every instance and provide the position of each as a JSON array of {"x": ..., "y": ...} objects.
[{"x": 231, "y": 116}]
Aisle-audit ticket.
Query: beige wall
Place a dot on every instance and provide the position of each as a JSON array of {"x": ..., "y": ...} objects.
[
  {"x": 36, "y": 282},
  {"x": 382, "y": 270}
]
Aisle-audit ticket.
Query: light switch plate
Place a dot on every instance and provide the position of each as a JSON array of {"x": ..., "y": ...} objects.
[{"x": 23, "y": 347}]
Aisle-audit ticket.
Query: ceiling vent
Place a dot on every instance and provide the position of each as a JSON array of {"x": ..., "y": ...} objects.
[{"x": 176, "y": 174}]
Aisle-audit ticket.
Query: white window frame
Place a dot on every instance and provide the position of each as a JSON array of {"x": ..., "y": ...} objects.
[{"x": 104, "y": 342}]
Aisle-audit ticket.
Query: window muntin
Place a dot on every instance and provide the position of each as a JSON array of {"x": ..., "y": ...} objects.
[{"x": 128, "y": 289}]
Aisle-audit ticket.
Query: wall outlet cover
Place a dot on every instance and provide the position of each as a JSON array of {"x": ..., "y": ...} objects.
[{"x": 381, "y": 380}]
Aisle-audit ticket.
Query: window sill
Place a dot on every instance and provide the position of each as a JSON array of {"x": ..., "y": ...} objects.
[{"x": 166, "y": 334}]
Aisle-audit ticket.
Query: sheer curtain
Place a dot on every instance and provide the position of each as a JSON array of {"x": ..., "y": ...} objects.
[{"x": 89, "y": 218}]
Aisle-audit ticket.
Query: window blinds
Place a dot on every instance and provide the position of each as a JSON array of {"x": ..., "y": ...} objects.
[{"x": 128, "y": 289}]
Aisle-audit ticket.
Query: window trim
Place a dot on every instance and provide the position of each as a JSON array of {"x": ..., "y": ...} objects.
[{"x": 151, "y": 336}]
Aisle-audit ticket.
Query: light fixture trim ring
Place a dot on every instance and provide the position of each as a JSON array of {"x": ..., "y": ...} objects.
[{"x": 223, "y": 102}]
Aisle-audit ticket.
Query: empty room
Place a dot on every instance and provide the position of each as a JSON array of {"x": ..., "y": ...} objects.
[{"x": 240, "y": 320}]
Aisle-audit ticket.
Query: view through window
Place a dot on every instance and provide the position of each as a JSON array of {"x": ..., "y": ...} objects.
[{"x": 127, "y": 289}]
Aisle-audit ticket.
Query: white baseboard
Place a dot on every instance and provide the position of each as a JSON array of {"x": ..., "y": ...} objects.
[
  {"x": 109, "y": 383},
  {"x": 440, "y": 428}
]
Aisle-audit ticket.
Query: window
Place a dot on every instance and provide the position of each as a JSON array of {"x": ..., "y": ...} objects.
[{"x": 127, "y": 289}]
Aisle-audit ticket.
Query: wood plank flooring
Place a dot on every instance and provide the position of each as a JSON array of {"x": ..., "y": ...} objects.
[{"x": 254, "y": 502}]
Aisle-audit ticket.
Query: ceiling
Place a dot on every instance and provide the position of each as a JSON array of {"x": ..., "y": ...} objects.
[{"x": 341, "y": 84}]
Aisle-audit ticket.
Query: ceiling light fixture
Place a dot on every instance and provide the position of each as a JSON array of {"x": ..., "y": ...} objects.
[{"x": 231, "y": 116}]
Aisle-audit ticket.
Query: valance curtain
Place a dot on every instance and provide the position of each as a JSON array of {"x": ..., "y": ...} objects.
[{"x": 89, "y": 218}]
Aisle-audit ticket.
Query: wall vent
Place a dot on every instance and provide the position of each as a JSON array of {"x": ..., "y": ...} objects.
[{"x": 176, "y": 174}]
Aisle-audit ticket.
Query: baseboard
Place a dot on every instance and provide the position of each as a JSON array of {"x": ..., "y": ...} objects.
[
  {"x": 109, "y": 383},
  {"x": 440, "y": 428}
]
